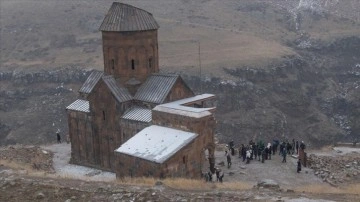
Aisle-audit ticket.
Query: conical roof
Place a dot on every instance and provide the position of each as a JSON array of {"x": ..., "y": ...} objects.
[{"x": 124, "y": 18}]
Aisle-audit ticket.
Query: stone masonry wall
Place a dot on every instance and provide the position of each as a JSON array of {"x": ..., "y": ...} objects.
[
  {"x": 130, "y": 54},
  {"x": 186, "y": 162},
  {"x": 179, "y": 91},
  {"x": 80, "y": 134}
]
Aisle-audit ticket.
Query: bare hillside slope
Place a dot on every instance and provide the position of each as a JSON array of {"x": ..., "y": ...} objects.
[{"x": 280, "y": 68}]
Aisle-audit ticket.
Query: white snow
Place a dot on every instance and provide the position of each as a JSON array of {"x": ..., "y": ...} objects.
[
  {"x": 345, "y": 150},
  {"x": 79, "y": 105},
  {"x": 178, "y": 107},
  {"x": 303, "y": 199},
  {"x": 156, "y": 143}
]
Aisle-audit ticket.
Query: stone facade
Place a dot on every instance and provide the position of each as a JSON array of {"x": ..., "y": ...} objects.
[
  {"x": 188, "y": 161},
  {"x": 185, "y": 163},
  {"x": 102, "y": 119},
  {"x": 130, "y": 55}
]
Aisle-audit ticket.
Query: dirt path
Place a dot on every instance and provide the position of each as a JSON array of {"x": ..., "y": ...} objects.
[
  {"x": 283, "y": 173},
  {"x": 62, "y": 153}
]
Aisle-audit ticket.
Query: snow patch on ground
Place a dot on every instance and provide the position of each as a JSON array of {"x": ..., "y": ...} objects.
[
  {"x": 302, "y": 199},
  {"x": 336, "y": 151},
  {"x": 62, "y": 167},
  {"x": 346, "y": 150}
]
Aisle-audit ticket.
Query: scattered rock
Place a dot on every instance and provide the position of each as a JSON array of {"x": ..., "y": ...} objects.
[
  {"x": 268, "y": 183},
  {"x": 93, "y": 173},
  {"x": 40, "y": 195}
]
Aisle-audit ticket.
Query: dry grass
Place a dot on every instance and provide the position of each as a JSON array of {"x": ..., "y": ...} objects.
[
  {"x": 234, "y": 186},
  {"x": 143, "y": 181},
  {"x": 323, "y": 189},
  {"x": 185, "y": 184},
  {"x": 23, "y": 168},
  {"x": 16, "y": 165}
]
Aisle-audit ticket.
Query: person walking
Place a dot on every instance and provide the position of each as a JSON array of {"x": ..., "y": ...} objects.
[
  {"x": 293, "y": 146},
  {"x": 255, "y": 151},
  {"x": 248, "y": 156},
  {"x": 282, "y": 147},
  {"x": 298, "y": 166},
  {"x": 58, "y": 137},
  {"x": 217, "y": 171},
  {"x": 270, "y": 149},
  {"x": 297, "y": 147},
  {"x": 228, "y": 158},
  {"x": 243, "y": 152},
  {"x": 284, "y": 152}
]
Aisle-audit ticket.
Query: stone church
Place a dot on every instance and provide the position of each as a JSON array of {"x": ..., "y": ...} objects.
[{"x": 133, "y": 120}]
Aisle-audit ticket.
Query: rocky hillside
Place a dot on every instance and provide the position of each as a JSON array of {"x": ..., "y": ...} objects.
[{"x": 280, "y": 68}]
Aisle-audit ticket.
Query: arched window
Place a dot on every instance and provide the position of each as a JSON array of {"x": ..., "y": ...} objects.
[
  {"x": 112, "y": 64},
  {"x": 184, "y": 159},
  {"x": 132, "y": 64},
  {"x": 150, "y": 63}
]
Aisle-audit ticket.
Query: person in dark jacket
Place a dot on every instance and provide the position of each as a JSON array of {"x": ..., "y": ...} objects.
[
  {"x": 266, "y": 151},
  {"x": 298, "y": 166},
  {"x": 297, "y": 147},
  {"x": 270, "y": 149},
  {"x": 282, "y": 147},
  {"x": 284, "y": 153},
  {"x": 255, "y": 150},
  {"x": 217, "y": 171},
  {"x": 288, "y": 147},
  {"x": 210, "y": 176},
  {"x": 228, "y": 158},
  {"x": 232, "y": 149},
  {"x": 58, "y": 137},
  {"x": 293, "y": 146},
  {"x": 221, "y": 177},
  {"x": 302, "y": 145},
  {"x": 243, "y": 152}
]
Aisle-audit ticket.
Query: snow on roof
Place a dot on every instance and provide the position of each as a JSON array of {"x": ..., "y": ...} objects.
[
  {"x": 138, "y": 114},
  {"x": 156, "y": 143},
  {"x": 179, "y": 107},
  {"x": 79, "y": 105}
]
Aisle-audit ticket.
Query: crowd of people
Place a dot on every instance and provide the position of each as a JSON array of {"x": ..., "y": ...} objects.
[{"x": 259, "y": 151}]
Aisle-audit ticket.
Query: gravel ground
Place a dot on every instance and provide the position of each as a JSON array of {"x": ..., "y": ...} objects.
[{"x": 283, "y": 173}]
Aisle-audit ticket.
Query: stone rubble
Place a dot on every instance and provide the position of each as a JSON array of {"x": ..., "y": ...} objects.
[
  {"x": 31, "y": 156},
  {"x": 336, "y": 171}
]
